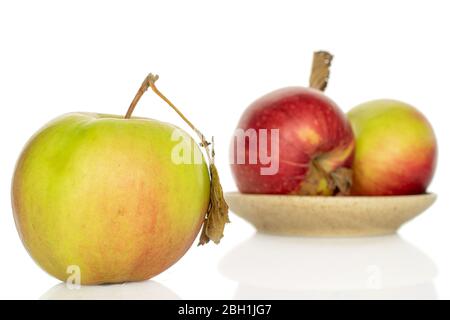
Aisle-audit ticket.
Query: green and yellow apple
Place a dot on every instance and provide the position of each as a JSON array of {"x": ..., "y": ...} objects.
[
  {"x": 395, "y": 150},
  {"x": 103, "y": 193}
]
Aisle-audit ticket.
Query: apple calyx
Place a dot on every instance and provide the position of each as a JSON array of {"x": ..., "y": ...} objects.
[
  {"x": 318, "y": 181},
  {"x": 217, "y": 213}
]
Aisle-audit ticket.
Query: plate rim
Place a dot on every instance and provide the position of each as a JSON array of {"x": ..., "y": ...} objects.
[{"x": 328, "y": 198}]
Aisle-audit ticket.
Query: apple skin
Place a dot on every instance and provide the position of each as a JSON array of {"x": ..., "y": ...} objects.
[
  {"x": 312, "y": 128},
  {"x": 396, "y": 149},
  {"x": 101, "y": 192}
]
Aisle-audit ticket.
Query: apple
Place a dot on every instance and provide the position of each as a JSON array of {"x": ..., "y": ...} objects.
[
  {"x": 101, "y": 195},
  {"x": 396, "y": 149},
  {"x": 301, "y": 136}
]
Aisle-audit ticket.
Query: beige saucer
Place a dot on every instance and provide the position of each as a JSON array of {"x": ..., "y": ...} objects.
[{"x": 327, "y": 216}]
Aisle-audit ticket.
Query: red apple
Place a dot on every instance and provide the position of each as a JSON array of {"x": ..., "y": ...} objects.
[{"x": 308, "y": 140}]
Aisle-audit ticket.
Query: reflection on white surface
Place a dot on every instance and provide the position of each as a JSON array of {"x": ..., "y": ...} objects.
[
  {"x": 146, "y": 290},
  {"x": 271, "y": 267}
]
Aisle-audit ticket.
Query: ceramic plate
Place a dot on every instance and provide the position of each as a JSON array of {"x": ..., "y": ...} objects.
[{"x": 327, "y": 216}]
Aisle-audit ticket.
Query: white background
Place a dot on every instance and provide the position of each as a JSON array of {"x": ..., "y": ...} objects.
[{"x": 214, "y": 58}]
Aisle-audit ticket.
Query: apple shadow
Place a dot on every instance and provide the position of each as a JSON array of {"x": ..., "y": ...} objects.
[
  {"x": 273, "y": 267},
  {"x": 145, "y": 290}
]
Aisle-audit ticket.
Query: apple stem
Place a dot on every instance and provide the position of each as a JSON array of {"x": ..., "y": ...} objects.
[
  {"x": 142, "y": 89},
  {"x": 320, "y": 71},
  {"x": 217, "y": 214},
  {"x": 149, "y": 82}
]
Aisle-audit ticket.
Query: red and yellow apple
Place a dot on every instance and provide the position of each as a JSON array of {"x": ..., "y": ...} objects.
[
  {"x": 102, "y": 193},
  {"x": 312, "y": 145},
  {"x": 396, "y": 149}
]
